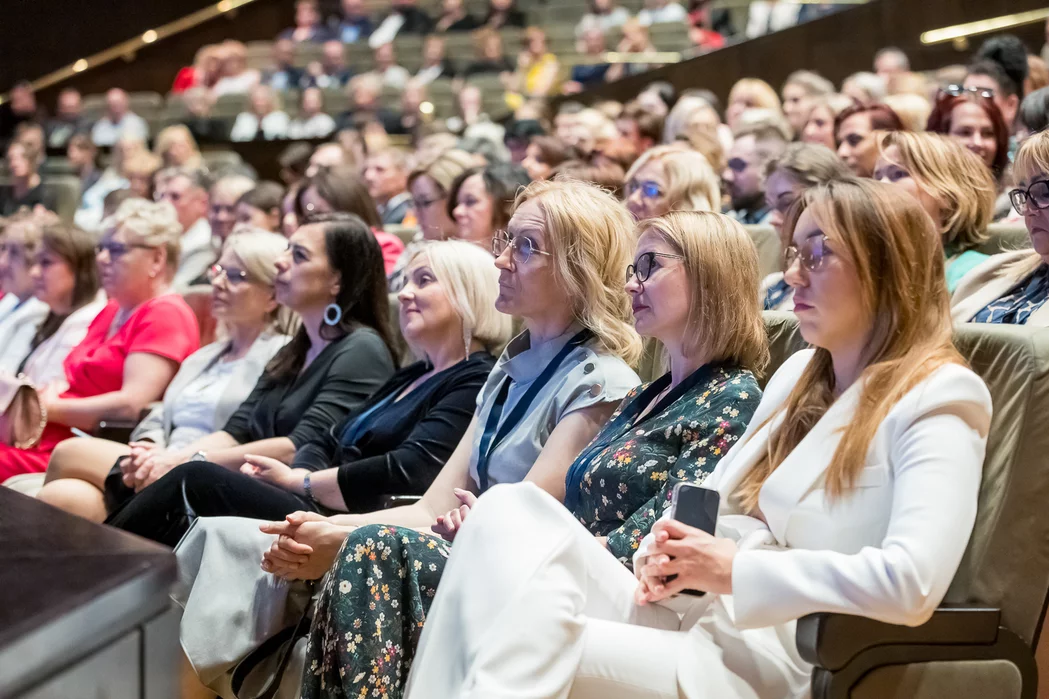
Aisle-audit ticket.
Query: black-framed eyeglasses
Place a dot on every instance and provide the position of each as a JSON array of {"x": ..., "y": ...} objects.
[
  {"x": 118, "y": 250},
  {"x": 645, "y": 264},
  {"x": 811, "y": 253},
  {"x": 522, "y": 248},
  {"x": 1037, "y": 194},
  {"x": 232, "y": 274},
  {"x": 958, "y": 90}
]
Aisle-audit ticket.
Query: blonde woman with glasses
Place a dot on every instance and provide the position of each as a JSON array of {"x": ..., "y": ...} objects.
[
  {"x": 671, "y": 178},
  {"x": 824, "y": 503}
]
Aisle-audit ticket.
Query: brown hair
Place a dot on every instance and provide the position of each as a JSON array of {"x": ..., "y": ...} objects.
[
  {"x": 76, "y": 247},
  {"x": 344, "y": 190},
  {"x": 881, "y": 116},
  {"x": 607, "y": 175}
]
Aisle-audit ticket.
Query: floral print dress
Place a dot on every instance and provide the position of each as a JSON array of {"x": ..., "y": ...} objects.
[{"x": 376, "y": 597}]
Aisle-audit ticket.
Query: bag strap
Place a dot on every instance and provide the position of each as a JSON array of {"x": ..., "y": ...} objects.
[{"x": 287, "y": 637}]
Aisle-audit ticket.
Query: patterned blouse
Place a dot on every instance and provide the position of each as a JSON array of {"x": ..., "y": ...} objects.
[
  {"x": 621, "y": 484},
  {"x": 1017, "y": 306}
]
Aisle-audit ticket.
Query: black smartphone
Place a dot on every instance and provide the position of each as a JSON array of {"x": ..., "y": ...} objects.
[{"x": 697, "y": 507}]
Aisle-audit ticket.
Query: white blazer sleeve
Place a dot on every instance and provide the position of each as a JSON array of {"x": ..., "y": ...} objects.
[{"x": 937, "y": 445}]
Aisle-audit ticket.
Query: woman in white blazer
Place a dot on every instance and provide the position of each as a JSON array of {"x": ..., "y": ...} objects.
[
  {"x": 25, "y": 312},
  {"x": 825, "y": 503},
  {"x": 209, "y": 386},
  {"x": 1013, "y": 287}
]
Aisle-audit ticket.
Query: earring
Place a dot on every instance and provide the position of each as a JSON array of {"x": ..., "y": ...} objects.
[
  {"x": 332, "y": 314},
  {"x": 152, "y": 275}
]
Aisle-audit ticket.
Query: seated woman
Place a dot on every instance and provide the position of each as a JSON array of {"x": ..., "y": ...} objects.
[
  {"x": 555, "y": 385},
  {"x": 396, "y": 442},
  {"x": 671, "y": 178},
  {"x": 953, "y": 186},
  {"x": 801, "y": 167},
  {"x": 825, "y": 502},
  {"x": 854, "y": 133},
  {"x": 65, "y": 277},
  {"x": 537, "y": 70},
  {"x": 690, "y": 269},
  {"x": 481, "y": 199},
  {"x": 134, "y": 345},
  {"x": 331, "y": 275},
  {"x": 26, "y": 190},
  {"x": 260, "y": 207},
  {"x": 1012, "y": 287},
  {"x": 21, "y": 312},
  {"x": 208, "y": 388}
]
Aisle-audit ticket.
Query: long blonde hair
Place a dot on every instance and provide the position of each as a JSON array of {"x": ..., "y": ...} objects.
[
  {"x": 591, "y": 241},
  {"x": 882, "y": 231},
  {"x": 955, "y": 177}
]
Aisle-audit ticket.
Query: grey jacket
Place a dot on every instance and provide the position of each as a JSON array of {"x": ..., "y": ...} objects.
[{"x": 159, "y": 423}]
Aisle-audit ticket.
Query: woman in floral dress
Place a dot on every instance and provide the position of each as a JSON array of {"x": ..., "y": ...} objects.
[{"x": 691, "y": 268}]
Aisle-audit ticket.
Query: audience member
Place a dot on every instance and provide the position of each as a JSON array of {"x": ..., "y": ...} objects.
[
  {"x": 543, "y": 155},
  {"x": 187, "y": 191},
  {"x": 706, "y": 25},
  {"x": 331, "y": 72},
  {"x": 435, "y": 65},
  {"x": 89, "y": 214},
  {"x": 294, "y": 161},
  {"x": 481, "y": 201},
  {"x": 819, "y": 128},
  {"x": 865, "y": 88},
  {"x": 972, "y": 117},
  {"x": 890, "y": 62},
  {"x": 490, "y": 57},
  {"x": 411, "y": 118},
  {"x": 352, "y": 24},
  {"x": 82, "y": 156},
  {"x": 744, "y": 174},
  {"x": 386, "y": 69},
  {"x": 265, "y": 119},
  {"x": 604, "y": 15},
  {"x": 750, "y": 93},
  {"x": 1037, "y": 74},
  {"x": 140, "y": 168},
  {"x": 635, "y": 40},
  {"x": 20, "y": 107},
  {"x": 22, "y": 315},
  {"x": 237, "y": 78},
  {"x": 911, "y": 406},
  {"x": 537, "y": 70},
  {"x": 135, "y": 344},
  {"x": 503, "y": 13},
  {"x": 177, "y": 148},
  {"x": 222, "y": 205},
  {"x": 27, "y": 189},
  {"x": 606, "y": 174},
  {"x": 84, "y": 476},
  {"x": 68, "y": 119},
  {"x": 800, "y": 92},
  {"x": 364, "y": 92},
  {"x": 202, "y": 124},
  {"x": 312, "y": 121},
  {"x": 1034, "y": 114},
  {"x": 455, "y": 18},
  {"x": 404, "y": 18},
  {"x": 913, "y": 110},
  {"x": 953, "y": 187},
  {"x": 329, "y": 155},
  {"x": 308, "y": 28},
  {"x": 332, "y": 276},
  {"x": 801, "y": 167},
  {"x": 386, "y": 175},
  {"x": 768, "y": 16},
  {"x": 639, "y": 130},
  {"x": 854, "y": 132},
  {"x": 284, "y": 75},
  {"x": 661, "y": 12},
  {"x": 689, "y": 111},
  {"x": 1012, "y": 287},
  {"x": 1001, "y": 67},
  {"x": 341, "y": 190},
  {"x": 204, "y": 73},
  {"x": 118, "y": 121},
  {"x": 259, "y": 207},
  {"x": 430, "y": 184},
  {"x": 671, "y": 178},
  {"x": 586, "y": 75}
]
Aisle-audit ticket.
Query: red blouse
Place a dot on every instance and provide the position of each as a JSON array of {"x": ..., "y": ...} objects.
[{"x": 164, "y": 326}]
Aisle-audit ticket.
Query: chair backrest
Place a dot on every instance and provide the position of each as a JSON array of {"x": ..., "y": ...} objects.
[
  {"x": 1007, "y": 561},
  {"x": 199, "y": 300},
  {"x": 67, "y": 194},
  {"x": 770, "y": 253},
  {"x": 1005, "y": 237}
]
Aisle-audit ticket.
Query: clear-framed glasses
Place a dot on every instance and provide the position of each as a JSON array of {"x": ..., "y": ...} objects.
[
  {"x": 957, "y": 90},
  {"x": 811, "y": 253},
  {"x": 645, "y": 264},
  {"x": 649, "y": 189},
  {"x": 1037, "y": 194},
  {"x": 522, "y": 248},
  {"x": 118, "y": 250},
  {"x": 232, "y": 274}
]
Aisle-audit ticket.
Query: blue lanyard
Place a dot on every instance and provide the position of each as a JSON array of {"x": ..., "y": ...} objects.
[
  {"x": 494, "y": 433},
  {"x": 352, "y": 431},
  {"x": 625, "y": 422}
]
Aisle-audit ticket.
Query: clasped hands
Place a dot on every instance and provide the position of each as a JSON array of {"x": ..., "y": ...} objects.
[{"x": 700, "y": 562}]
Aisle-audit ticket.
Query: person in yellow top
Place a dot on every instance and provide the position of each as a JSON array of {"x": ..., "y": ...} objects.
[{"x": 537, "y": 71}]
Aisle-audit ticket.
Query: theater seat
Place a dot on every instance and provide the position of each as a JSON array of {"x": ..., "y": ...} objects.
[
  {"x": 199, "y": 300},
  {"x": 1005, "y": 237},
  {"x": 770, "y": 253},
  {"x": 981, "y": 641}
]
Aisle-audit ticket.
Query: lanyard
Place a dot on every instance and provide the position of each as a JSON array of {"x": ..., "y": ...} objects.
[
  {"x": 494, "y": 433},
  {"x": 625, "y": 422}
]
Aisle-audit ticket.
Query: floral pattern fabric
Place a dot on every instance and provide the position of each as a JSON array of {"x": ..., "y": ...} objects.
[{"x": 376, "y": 597}]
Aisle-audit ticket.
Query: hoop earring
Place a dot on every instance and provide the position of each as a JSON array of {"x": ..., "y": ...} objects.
[{"x": 332, "y": 314}]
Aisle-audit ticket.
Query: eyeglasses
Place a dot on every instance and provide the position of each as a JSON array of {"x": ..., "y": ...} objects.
[
  {"x": 232, "y": 274},
  {"x": 737, "y": 165},
  {"x": 958, "y": 90},
  {"x": 649, "y": 190},
  {"x": 811, "y": 253},
  {"x": 418, "y": 204},
  {"x": 118, "y": 250},
  {"x": 1037, "y": 194},
  {"x": 522, "y": 249},
  {"x": 644, "y": 265}
]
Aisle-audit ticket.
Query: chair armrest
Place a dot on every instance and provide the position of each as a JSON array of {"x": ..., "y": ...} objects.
[
  {"x": 830, "y": 641},
  {"x": 390, "y": 501},
  {"x": 115, "y": 430}
]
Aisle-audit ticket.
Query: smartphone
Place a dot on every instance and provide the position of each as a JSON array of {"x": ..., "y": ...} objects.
[{"x": 697, "y": 507}]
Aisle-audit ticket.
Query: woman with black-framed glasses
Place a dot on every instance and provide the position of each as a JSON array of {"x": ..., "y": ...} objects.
[{"x": 1012, "y": 287}]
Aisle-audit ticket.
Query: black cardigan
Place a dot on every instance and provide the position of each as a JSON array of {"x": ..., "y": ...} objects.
[
  {"x": 340, "y": 379},
  {"x": 405, "y": 443}
]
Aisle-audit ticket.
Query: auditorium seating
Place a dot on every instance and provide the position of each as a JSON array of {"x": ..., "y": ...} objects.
[{"x": 981, "y": 642}]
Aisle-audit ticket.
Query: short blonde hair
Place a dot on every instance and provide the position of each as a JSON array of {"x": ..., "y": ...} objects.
[
  {"x": 762, "y": 94},
  {"x": 724, "y": 317},
  {"x": 258, "y": 250},
  {"x": 590, "y": 236},
  {"x": 469, "y": 277},
  {"x": 692, "y": 184},
  {"x": 955, "y": 177},
  {"x": 679, "y": 118},
  {"x": 154, "y": 224},
  {"x": 173, "y": 133},
  {"x": 1033, "y": 158}
]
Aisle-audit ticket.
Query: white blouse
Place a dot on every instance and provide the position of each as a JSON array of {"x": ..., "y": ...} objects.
[{"x": 194, "y": 408}]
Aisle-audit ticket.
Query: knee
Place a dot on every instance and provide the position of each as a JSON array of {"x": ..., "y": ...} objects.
[
  {"x": 75, "y": 497},
  {"x": 61, "y": 459}
]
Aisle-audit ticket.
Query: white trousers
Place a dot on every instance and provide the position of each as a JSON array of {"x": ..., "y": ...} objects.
[{"x": 530, "y": 606}]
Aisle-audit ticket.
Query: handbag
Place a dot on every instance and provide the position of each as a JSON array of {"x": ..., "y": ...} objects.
[
  {"x": 274, "y": 669},
  {"x": 22, "y": 414}
]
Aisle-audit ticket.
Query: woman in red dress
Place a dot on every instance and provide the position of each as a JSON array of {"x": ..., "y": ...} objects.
[{"x": 133, "y": 347}]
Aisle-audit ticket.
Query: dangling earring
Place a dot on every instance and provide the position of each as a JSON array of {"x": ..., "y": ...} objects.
[{"x": 332, "y": 314}]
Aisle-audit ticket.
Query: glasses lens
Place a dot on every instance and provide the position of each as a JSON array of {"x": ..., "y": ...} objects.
[
  {"x": 523, "y": 248},
  {"x": 650, "y": 190},
  {"x": 1018, "y": 198},
  {"x": 812, "y": 253},
  {"x": 644, "y": 266},
  {"x": 1039, "y": 194},
  {"x": 629, "y": 273},
  {"x": 789, "y": 255}
]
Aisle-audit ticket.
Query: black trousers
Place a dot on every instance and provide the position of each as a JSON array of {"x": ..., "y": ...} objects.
[{"x": 163, "y": 511}]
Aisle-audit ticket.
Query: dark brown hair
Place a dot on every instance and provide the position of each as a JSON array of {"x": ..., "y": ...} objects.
[{"x": 344, "y": 190}]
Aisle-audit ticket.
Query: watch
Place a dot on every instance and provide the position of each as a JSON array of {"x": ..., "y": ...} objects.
[
  {"x": 199, "y": 456},
  {"x": 307, "y": 487}
]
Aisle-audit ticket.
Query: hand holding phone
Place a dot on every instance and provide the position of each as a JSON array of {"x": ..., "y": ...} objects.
[{"x": 697, "y": 507}]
